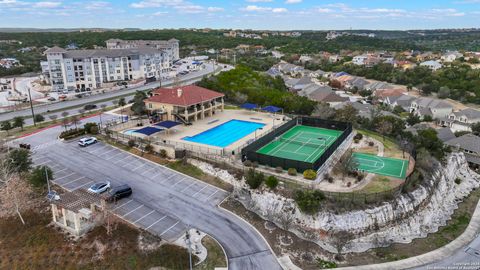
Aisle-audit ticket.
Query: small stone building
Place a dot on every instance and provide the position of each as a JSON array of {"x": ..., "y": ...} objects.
[{"x": 77, "y": 212}]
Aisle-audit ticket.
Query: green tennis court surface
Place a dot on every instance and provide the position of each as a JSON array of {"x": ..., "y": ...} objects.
[
  {"x": 302, "y": 143},
  {"x": 381, "y": 165}
]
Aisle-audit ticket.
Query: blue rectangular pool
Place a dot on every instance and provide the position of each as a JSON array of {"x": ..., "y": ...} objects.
[{"x": 225, "y": 134}]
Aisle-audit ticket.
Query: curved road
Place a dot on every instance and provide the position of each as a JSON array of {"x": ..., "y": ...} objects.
[{"x": 97, "y": 99}]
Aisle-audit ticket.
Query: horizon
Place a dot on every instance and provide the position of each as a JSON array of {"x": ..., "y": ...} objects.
[{"x": 266, "y": 15}]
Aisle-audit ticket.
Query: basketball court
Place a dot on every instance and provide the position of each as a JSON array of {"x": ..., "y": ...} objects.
[
  {"x": 392, "y": 167},
  {"x": 302, "y": 143}
]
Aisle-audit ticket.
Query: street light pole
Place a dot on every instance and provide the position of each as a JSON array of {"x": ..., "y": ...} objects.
[
  {"x": 31, "y": 106},
  {"x": 188, "y": 242}
]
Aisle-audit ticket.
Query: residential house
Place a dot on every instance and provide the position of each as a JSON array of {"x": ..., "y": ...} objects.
[
  {"x": 376, "y": 85},
  {"x": 364, "y": 110},
  {"x": 298, "y": 84},
  {"x": 9, "y": 62},
  {"x": 273, "y": 71},
  {"x": 277, "y": 54},
  {"x": 404, "y": 64},
  {"x": 404, "y": 101},
  {"x": 444, "y": 134},
  {"x": 77, "y": 212},
  {"x": 322, "y": 93},
  {"x": 334, "y": 58},
  {"x": 186, "y": 103},
  {"x": 305, "y": 58},
  {"x": 461, "y": 120},
  {"x": 360, "y": 59},
  {"x": 291, "y": 69},
  {"x": 469, "y": 144},
  {"x": 435, "y": 108},
  {"x": 382, "y": 94},
  {"x": 6, "y": 84},
  {"x": 355, "y": 83},
  {"x": 432, "y": 64},
  {"x": 451, "y": 56}
]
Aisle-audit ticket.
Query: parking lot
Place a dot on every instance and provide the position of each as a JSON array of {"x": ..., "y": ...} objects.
[{"x": 129, "y": 209}]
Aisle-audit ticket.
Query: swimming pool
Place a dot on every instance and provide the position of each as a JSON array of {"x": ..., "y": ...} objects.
[
  {"x": 129, "y": 132},
  {"x": 225, "y": 134}
]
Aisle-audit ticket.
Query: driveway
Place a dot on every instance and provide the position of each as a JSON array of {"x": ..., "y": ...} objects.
[{"x": 181, "y": 199}]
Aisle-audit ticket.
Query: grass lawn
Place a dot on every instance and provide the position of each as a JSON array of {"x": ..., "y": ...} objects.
[
  {"x": 380, "y": 183},
  {"x": 38, "y": 245},
  {"x": 390, "y": 146},
  {"x": 215, "y": 256}
]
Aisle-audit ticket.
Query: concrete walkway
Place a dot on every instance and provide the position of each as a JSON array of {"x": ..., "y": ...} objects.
[{"x": 433, "y": 256}]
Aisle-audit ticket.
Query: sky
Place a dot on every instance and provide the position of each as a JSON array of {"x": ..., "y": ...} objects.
[{"x": 242, "y": 14}]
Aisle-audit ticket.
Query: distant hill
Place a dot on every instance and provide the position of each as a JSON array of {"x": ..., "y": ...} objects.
[{"x": 62, "y": 30}]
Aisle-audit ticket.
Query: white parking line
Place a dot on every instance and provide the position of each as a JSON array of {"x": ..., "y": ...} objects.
[
  {"x": 102, "y": 154},
  {"x": 65, "y": 176},
  {"x": 113, "y": 156},
  {"x": 155, "y": 222},
  {"x": 199, "y": 191},
  {"x": 122, "y": 205},
  {"x": 153, "y": 168},
  {"x": 41, "y": 163},
  {"x": 188, "y": 186},
  {"x": 212, "y": 194},
  {"x": 101, "y": 147},
  {"x": 82, "y": 185},
  {"x": 132, "y": 210},
  {"x": 143, "y": 217},
  {"x": 73, "y": 181},
  {"x": 64, "y": 169},
  {"x": 143, "y": 164},
  {"x": 181, "y": 180},
  {"x": 126, "y": 157},
  {"x": 169, "y": 228}
]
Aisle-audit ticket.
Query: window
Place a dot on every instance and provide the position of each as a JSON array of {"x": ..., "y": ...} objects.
[{"x": 150, "y": 105}]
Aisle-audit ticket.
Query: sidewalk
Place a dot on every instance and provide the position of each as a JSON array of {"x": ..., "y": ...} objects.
[{"x": 433, "y": 256}]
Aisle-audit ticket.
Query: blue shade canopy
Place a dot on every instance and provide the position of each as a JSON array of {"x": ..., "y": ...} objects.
[
  {"x": 147, "y": 130},
  {"x": 249, "y": 106},
  {"x": 271, "y": 109},
  {"x": 167, "y": 124},
  {"x": 341, "y": 74}
]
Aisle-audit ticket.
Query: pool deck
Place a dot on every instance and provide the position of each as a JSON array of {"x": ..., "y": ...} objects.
[{"x": 177, "y": 133}]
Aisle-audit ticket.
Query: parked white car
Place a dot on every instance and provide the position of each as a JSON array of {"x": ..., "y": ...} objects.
[
  {"x": 87, "y": 141},
  {"x": 100, "y": 187}
]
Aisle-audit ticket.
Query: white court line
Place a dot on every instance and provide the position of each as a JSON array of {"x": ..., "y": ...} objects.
[
  {"x": 143, "y": 164},
  {"x": 56, "y": 179},
  {"x": 212, "y": 194},
  {"x": 143, "y": 217},
  {"x": 132, "y": 211},
  {"x": 188, "y": 186},
  {"x": 73, "y": 181},
  {"x": 199, "y": 191},
  {"x": 156, "y": 222},
  {"x": 122, "y": 205},
  {"x": 169, "y": 228},
  {"x": 82, "y": 185}
]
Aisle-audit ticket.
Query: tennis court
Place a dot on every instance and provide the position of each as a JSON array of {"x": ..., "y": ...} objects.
[
  {"x": 381, "y": 165},
  {"x": 302, "y": 143}
]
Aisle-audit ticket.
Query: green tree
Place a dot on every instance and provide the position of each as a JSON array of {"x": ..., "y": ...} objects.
[
  {"x": 38, "y": 176},
  {"x": 309, "y": 201},
  {"x": 122, "y": 102},
  {"x": 429, "y": 140},
  {"x": 6, "y": 125},
  {"x": 413, "y": 119},
  {"x": 476, "y": 128},
  {"x": 18, "y": 121},
  {"x": 254, "y": 179},
  {"x": 20, "y": 160},
  {"x": 138, "y": 106}
]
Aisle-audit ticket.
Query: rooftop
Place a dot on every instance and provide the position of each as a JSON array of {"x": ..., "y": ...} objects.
[
  {"x": 184, "y": 95},
  {"x": 77, "y": 200}
]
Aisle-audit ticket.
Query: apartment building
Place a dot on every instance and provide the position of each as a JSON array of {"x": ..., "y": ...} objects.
[
  {"x": 82, "y": 69},
  {"x": 171, "y": 46}
]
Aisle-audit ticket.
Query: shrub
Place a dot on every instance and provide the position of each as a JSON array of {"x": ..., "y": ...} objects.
[
  {"x": 358, "y": 136},
  {"x": 310, "y": 174},
  {"x": 247, "y": 163},
  {"x": 371, "y": 143},
  {"x": 292, "y": 171},
  {"x": 309, "y": 201},
  {"x": 163, "y": 153},
  {"x": 39, "y": 118},
  {"x": 356, "y": 141},
  {"x": 19, "y": 160},
  {"x": 149, "y": 148},
  {"x": 38, "y": 177},
  {"x": 322, "y": 264},
  {"x": 271, "y": 182},
  {"x": 349, "y": 184},
  {"x": 360, "y": 177},
  {"x": 71, "y": 133},
  {"x": 278, "y": 169},
  {"x": 458, "y": 181},
  {"x": 254, "y": 179},
  {"x": 330, "y": 179},
  {"x": 131, "y": 143}
]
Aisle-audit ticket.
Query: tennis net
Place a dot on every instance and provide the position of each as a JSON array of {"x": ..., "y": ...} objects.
[{"x": 321, "y": 143}]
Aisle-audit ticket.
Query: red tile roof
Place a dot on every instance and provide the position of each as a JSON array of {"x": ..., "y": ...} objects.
[{"x": 183, "y": 95}]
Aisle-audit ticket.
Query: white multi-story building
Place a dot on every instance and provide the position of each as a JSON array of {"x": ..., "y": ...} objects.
[
  {"x": 171, "y": 46},
  {"x": 82, "y": 69}
]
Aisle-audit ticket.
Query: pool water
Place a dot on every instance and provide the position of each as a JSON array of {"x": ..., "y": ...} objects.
[
  {"x": 129, "y": 131},
  {"x": 225, "y": 134}
]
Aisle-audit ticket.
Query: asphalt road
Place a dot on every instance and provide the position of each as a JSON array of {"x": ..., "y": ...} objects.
[
  {"x": 158, "y": 188},
  {"x": 96, "y": 99}
]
